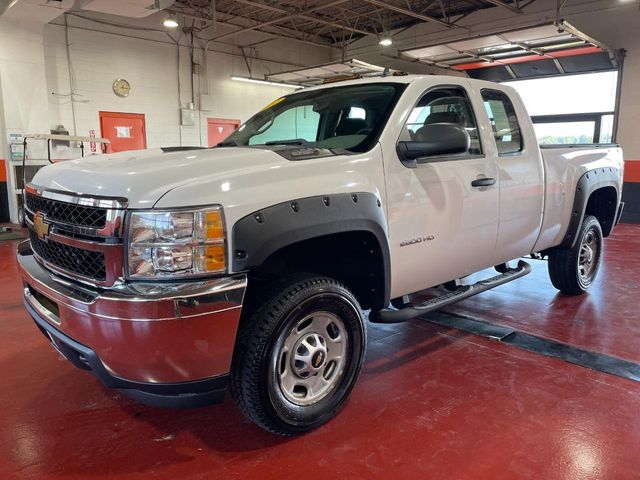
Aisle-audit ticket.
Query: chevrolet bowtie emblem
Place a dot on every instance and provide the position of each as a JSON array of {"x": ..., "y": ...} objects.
[{"x": 40, "y": 226}]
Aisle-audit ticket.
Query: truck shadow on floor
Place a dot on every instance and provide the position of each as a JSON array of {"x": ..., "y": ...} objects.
[{"x": 405, "y": 343}]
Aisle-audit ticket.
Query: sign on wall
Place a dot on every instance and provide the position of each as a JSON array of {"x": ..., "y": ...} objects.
[
  {"x": 92, "y": 145},
  {"x": 16, "y": 145},
  {"x": 123, "y": 132}
]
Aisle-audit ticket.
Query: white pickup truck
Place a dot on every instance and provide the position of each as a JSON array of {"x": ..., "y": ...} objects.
[{"x": 170, "y": 273}]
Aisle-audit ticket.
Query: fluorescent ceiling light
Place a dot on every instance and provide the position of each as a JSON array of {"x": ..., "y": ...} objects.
[
  {"x": 386, "y": 41},
  {"x": 170, "y": 22},
  {"x": 265, "y": 82}
]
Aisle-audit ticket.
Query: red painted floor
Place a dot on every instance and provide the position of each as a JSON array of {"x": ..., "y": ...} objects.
[
  {"x": 607, "y": 320},
  {"x": 431, "y": 403}
]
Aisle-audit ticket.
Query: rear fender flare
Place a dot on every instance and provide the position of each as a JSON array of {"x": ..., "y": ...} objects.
[{"x": 588, "y": 183}]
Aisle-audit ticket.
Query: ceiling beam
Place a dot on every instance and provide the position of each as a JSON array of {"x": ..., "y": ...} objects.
[
  {"x": 280, "y": 19},
  {"x": 410, "y": 13},
  {"x": 272, "y": 35},
  {"x": 304, "y": 17},
  {"x": 508, "y": 6}
]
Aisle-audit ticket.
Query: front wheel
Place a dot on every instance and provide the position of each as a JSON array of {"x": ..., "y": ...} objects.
[
  {"x": 573, "y": 270},
  {"x": 298, "y": 355}
]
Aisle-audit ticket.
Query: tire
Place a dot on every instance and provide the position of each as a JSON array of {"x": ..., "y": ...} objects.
[
  {"x": 22, "y": 217},
  {"x": 573, "y": 270},
  {"x": 298, "y": 354}
]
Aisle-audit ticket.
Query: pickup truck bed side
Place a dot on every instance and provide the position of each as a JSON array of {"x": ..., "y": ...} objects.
[{"x": 573, "y": 174}]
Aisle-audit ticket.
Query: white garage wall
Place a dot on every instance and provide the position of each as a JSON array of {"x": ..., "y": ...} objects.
[
  {"x": 151, "y": 67},
  {"x": 33, "y": 65},
  {"x": 23, "y": 99},
  {"x": 22, "y": 80}
]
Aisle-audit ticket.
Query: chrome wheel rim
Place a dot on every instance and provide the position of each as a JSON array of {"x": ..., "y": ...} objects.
[
  {"x": 312, "y": 358},
  {"x": 588, "y": 257}
]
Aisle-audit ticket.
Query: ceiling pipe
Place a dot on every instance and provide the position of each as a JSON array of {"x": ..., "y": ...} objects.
[{"x": 6, "y": 5}]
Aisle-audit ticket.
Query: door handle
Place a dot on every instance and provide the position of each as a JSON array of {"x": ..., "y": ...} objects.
[{"x": 483, "y": 182}]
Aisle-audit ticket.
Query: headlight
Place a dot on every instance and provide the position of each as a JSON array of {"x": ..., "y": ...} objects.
[{"x": 180, "y": 243}]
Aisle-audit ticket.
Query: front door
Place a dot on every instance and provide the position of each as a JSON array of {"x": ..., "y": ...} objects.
[
  {"x": 443, "y": 222},
  {"x": 125, "y": 130},
  {"x": 220, "y": 128}
]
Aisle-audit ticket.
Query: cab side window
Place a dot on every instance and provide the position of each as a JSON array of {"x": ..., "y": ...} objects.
[
  {"x": 504, "y": 122},
  {"x": 443, "y": 105}
]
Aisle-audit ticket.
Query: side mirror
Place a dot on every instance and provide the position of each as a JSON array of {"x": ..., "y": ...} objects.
[{"x": 434, "y": 139}]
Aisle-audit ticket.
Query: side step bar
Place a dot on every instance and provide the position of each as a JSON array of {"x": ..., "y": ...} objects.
[{"x": 465, "y": 291}]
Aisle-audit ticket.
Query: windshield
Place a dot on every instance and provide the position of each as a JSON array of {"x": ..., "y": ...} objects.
[{"x": 349, "y": 118}]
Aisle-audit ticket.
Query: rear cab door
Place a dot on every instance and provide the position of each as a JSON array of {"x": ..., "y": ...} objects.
[
  {"x": 440, "y": 226},
  {"x": 514, "y": 145}
]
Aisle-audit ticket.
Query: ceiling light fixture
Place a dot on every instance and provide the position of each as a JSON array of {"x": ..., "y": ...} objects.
[
  {"x": 386, "y": 41},
  {"x": 265, "y": 82},
  {"x": 170, "y": 22}
]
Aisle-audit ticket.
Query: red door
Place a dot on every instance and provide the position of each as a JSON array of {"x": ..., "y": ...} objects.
[
  {"x": 125, "y": 130},
  {"x": 220, "y": 128}
]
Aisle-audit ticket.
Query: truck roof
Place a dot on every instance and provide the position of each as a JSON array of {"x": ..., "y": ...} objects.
[{"x": 409, "y": 79}]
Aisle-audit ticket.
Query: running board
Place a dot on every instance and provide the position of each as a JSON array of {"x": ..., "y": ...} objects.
[{"x": 465, "y": 291}]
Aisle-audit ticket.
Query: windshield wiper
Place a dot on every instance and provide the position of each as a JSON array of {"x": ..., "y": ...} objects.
[
  {"x": 292, "y": 141},
  {"x": 227, "y": 143}
]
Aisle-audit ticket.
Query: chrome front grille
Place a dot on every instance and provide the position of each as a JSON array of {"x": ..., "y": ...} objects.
[
  {"x": 68, "y": 213},
  {"x": 77, "y": 236}
]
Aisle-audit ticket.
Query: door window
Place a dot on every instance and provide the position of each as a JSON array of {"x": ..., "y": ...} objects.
[
  {"x": 443, "y": 105},
  {"x": 504, "y": 122}
]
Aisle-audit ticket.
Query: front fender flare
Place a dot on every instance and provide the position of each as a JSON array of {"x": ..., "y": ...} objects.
[{"x": 260, "y": 234}]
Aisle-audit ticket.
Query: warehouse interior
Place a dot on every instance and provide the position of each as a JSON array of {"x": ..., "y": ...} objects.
[{"x": 518, "y": 382}]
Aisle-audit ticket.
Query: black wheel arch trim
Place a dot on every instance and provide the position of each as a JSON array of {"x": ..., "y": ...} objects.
[
  {"x": 260, "y": 234},
  {"x": 588, "y": 183}
]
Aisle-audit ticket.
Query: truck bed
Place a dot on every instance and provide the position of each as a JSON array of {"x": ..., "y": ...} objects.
[{"x": 563, "y": 167}]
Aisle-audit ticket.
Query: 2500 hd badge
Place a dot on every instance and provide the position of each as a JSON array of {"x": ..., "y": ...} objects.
[{"x": 415, "y": 240}]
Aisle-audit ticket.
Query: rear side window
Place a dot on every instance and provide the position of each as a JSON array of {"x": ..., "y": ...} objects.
[{"x": 504, "y": 122}]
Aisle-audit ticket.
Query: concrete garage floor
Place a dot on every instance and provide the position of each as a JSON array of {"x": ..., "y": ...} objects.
[{"x": 432, "y": 402}]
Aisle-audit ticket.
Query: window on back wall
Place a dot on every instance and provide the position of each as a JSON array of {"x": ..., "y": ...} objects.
[{"x": 573, "y": 109}]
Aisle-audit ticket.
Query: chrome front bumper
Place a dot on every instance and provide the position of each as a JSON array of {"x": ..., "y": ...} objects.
[{"x": 146, "y": 337}]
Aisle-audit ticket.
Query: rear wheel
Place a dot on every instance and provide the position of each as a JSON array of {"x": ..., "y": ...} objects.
[
  {"x": 298, "y": 355},
  {"x": 574, "y": 270}
]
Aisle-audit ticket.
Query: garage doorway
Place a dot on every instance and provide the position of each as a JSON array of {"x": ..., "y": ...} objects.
[
  {"x": 125, "y": 130},
  {"x": 220, "y": 128}
]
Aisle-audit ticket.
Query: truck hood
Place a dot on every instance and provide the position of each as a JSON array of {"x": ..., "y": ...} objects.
[
  {"x": 242, "y": 180},
  {"x": 144, "y": 176}
]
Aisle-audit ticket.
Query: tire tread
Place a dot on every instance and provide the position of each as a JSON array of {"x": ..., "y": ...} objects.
[
  {"x": 256, "y": 327},
  {"x": 563, "y": 262}
]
